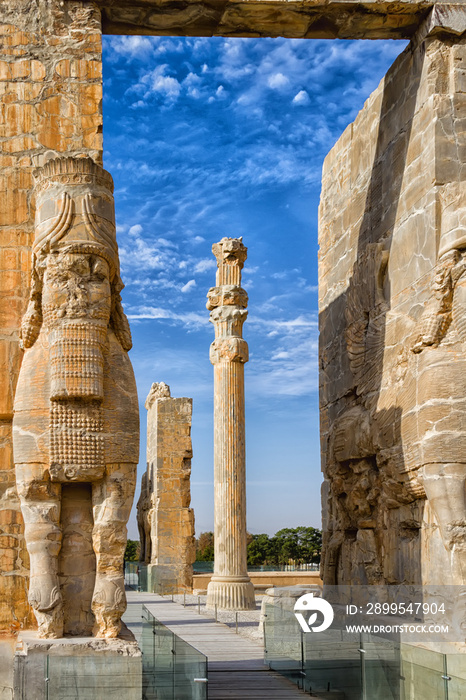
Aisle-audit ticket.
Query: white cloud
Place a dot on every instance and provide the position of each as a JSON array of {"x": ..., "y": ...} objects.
[
  {"x": 301, "y": 98},
  {"x": 135, "y": 230},
  {"x": 282, "y": 355},
  {"x": 189, "y": 285},
  {"x": 206, "y": 264},
  {"x": 166, "y": 85},
  {"x": 277, "y": 81},
  {"x": 133, "y": 46},
  {"x": 189, "y": 319},
  {"x": 192, "y": 79}
]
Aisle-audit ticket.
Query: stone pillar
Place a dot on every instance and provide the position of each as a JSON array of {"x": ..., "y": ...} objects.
[
  {"x": 230, "y": 587},
  {"x": 51, "y": 103},
  {"x": 165, "y": 520}
]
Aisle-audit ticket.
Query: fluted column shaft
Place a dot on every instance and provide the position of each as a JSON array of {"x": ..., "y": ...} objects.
[{"x": 230, "y": 586}]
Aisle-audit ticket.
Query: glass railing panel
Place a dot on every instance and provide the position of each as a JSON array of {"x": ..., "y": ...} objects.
[
  {"x": 332, "y": 662},
  {"x": 422, "y": 673},
  {"x": 172, "y": 668},
  {"x": 381, "y": 668},
  {"x": 131, "y": 574},
  {"x": 283, "y": 643},
  {"x": 455, "y": 668},
  {"x": 157, "y": 659},
  {"x": 190, "y": 671}
]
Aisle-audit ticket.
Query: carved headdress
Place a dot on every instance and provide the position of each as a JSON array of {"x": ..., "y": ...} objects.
[
  {"x": 74, "y": 209},
  {"x": 74, "y": 214}
]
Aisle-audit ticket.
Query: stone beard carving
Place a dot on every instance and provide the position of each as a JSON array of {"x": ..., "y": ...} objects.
[
  {"x": 230, "y": 586},
  {"x": 76, "y": 414}
]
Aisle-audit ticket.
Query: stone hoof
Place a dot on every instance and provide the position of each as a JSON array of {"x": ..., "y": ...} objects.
[
  {"x": 107, "y": 624},
  {"x": 50, "y": 624},
  {"x": 108, "y": 605},
  {"x": 44, "y": 593}
]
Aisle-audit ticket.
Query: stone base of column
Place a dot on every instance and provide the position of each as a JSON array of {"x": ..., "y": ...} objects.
[
  {"x": 80, "y": 667},
  {"x": 166, "y": 580},
  {"x": 231, "y": 593}
]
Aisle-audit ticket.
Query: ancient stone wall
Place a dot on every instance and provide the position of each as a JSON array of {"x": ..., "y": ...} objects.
[
  {"x": 165, "y": 520},
  {"x": 392, "y": 312},
  {"x": 50, "y": 104}
]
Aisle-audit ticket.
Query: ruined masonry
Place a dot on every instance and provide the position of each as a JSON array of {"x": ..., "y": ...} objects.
[
  {"x": 392, "y": 292},
  {"x": 230, "y": 586},
  {"x": 165, "y": 520}
]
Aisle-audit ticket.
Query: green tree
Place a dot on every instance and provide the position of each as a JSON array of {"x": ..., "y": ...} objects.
[
  {"x": 258, "y": 550},
  {"x": 132, "y": 550},
  {"x": 205, "y": 547},
  {"x": 311, "y": 544},
  {"x": 301, "y": 545}
]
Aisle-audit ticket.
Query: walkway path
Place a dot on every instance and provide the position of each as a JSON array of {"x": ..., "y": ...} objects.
[{"x": 236, "y": 668}]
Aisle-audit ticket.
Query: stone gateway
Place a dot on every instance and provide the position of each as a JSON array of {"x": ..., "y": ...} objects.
[{"x": 392, "y": 288}]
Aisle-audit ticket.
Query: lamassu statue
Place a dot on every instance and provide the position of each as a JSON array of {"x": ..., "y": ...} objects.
[{"x": 76, "y": 412}]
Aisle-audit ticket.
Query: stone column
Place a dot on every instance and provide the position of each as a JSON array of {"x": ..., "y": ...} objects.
[{"x": 230, "y": 587}]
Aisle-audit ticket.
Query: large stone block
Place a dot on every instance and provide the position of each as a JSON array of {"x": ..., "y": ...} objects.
[
  {"x": 344, "y": 19},
  {"x": 85, "y": 668}
]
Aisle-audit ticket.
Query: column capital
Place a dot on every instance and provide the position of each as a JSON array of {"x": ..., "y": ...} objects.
[
  {"x": 231, "y": 254},
  {"x": 226, "y": 295},
  {"x": 231, "y": 349}
]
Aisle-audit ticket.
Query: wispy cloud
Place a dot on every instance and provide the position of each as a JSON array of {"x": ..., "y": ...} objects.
[
  {"x": 213, "y": 137},
  {"x": 187, "y": 319}
]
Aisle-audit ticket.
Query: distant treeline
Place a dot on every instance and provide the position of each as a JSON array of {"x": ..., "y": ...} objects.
[
  {"x": 132, "y": 550},
  {"x": 298, "y": 545}
]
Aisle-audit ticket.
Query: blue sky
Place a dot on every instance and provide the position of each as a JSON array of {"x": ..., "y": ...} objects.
[{"x": 217, "y": 137}]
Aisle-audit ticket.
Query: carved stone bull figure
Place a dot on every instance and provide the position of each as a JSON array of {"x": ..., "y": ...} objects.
[{"x": 76, "y": 412}]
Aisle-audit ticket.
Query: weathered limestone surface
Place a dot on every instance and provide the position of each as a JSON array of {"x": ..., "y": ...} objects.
[
  {"x": 84, "y": 668},
  {"x": 310, "y": 19},
  {"x": 393, "y": 310},
  {"x": 76, "y": 423},
  {"x": 50, "y": 100},
  {"x": 165, "y": 520},
  {"x": 230, "y": 586}
]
